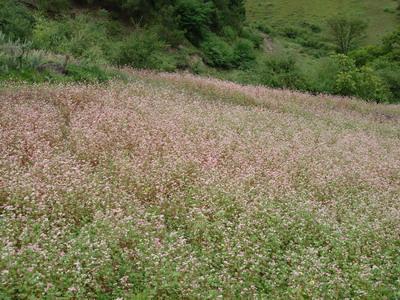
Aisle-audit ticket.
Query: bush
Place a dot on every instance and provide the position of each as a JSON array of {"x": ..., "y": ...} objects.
[
  {"x": 391, "y": 45},
  {"x": 169, "y": 29},
  {"x": 15, "y": 20},
  {"x": 291, "y": 32},
  {"x": 51, "y": 35},
  {"x": 361, "y": 82},
  {"x": 53, "y": 6},
  {"x": 321, "y": 76},
  {"x": 229, "y": 33},
  {"x": 243, "y": 52},
  {"x": 13, "y": 54},
  {"x": 264, "y": 28},
  {"x": 217, "y": 52},
  {"x": 194, "y": 18},
  {"x": 87, "y": 73},
  {"x": 144, "y": 49},
  {"x": 253, "y": 35},
  {"x": 390, "y": 74},
  {"x": 281, "y": 72},
  {"x": 81, "y": 37},
  {"x": 365, "y": 55}
]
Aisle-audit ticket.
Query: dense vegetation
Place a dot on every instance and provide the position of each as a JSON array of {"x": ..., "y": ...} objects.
[
  {"x": 120, "y": 183},
  {"x": 175, "y": 186},
  {"x": 80, "y": 40}
]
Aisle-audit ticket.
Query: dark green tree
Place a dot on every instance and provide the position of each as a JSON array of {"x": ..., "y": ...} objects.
[{"x": 16, "y": 22}]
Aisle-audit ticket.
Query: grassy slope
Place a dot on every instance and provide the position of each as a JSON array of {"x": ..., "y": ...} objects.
[
  {"x": 316, "y": 11},
  {"x": 183, "y": 187}
]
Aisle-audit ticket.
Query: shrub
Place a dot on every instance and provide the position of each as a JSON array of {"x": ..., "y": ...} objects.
[
  {"x": 82, "y": 37},
  {"x": 51, "y": 35},
  {"x": 390, "y": 74},
  {"x": 253, "y": 35},
  {"x": 13, "y": 54},
  {"x": 87, "y": 73},
  {"x": 194, "y": 18},
  {"x": 362, "y": 82},
  {"x": 391, "y": 45},
  {"x": 217, "y": 52},
  {"x": 281, "y": 72},
  {"x": 321, "y": 76},
  {"x": 15, "y": 20},
  {"x": 229, "y": 33},
  {"x": 243, "y": 52},
  {"x": 264, "y": 28},
  {"x": 291, "y": 32},
  {"x": 365, "y": 55},
  {"x": 142, "y": 49},
  {"x": 53, "y": 6},
  {"x": 169, "y": 29},
  {"x": 370, "y": 86}
]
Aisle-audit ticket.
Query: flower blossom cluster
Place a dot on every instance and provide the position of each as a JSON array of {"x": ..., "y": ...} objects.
[{"x": 177, "y": 186}]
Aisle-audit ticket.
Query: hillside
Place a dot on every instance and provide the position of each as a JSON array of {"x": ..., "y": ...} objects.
[
  {"x": 177, "y": 186},
  {"x": 380, "y": 15},
  {"x": 282, "y": 44}
]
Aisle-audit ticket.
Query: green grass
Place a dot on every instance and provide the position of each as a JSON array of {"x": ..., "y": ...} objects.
[{"x": 380, "y": 15}]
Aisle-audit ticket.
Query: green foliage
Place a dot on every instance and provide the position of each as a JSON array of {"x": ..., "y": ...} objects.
[
  {"x": 307, "y": 36},
  {"x": 391, "y": 45},
  {"x": 278, "y": 13},
  {"x": 87, "y": 73},
  {"x": 19, "y": 62},
  {"x": 83, "y": 37},
  {"x": 281, "y": 72},
  {"x": 194, "y": 18},
  {"x": 362, "y": 82},
  {"x": 143, "y": 49},
  {"x": 13, "y": 54},
  {"x": 16, "y": 22},
  {"x": 169, "y": 29},
  {"x": 321, "y": 76},
  {"x": 390, "y": 74},
  {"x": 243, "y": 52},
  {"x": 264, "y": 28},
  {"x": 291, "y": 32},
  {"x": 253, "y": 35},
  {"x": 229, "y": 33},
  {"x": 50, "y": 34},
  {"x": 53, "y": 6},
  {"x": 363, "y": 56},
  {"x": 126, "y": 8},
  {"x": 194, "y": 35},
  {"x": 346, "y": 32},
  {"x": 218, "y": 53}
]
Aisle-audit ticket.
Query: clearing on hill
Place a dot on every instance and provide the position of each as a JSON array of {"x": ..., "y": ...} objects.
[{"x": 381, "y": 15}]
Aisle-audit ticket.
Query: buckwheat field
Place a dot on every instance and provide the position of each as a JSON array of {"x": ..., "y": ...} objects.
[{"x": 181, "y": 187}]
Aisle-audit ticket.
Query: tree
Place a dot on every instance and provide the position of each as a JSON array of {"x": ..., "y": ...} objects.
[
  {"x": 391, "y": 46},
  {"x": 362, "y": 82},
  {"x": 195, "y": 18},
  {"x": 346, "y": 32},
  {"x": 16, "y": 22}
]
